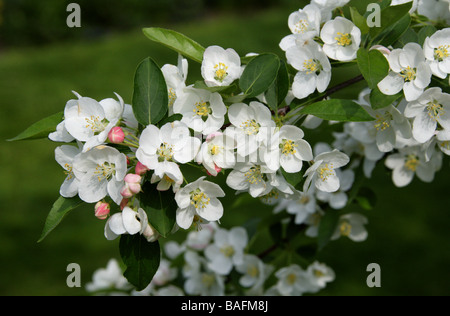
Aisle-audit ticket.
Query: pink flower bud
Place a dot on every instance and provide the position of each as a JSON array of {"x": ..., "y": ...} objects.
[
  {"x": 132, "y": 185},
  {"x": 116, "y": 135},
  {"x": 126, "y": 192},
  {"x": 140, "y": 169},
  {"x": 384, "y": 50},
  {"x": 217, "y": 168},
  {"x": 212, "y": 135},
  {"x": 102, "y": 210}
]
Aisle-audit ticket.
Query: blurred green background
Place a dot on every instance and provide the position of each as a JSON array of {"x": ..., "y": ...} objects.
[{"x": 42, "y": 61}]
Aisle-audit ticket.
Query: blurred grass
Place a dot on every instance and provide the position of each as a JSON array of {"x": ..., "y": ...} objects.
[{"x": 408, "y": 230}]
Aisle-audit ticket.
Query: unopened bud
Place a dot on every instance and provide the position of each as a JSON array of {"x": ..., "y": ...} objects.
[
  {"x": 132, "y": 185},
  {"x": 384, "y": 50},
  {"x": 140, "y": 169},
  {"x": 116, "y": 135},
  {"x": 217, "y": 168},
  {"x": 102, "y": 210}
]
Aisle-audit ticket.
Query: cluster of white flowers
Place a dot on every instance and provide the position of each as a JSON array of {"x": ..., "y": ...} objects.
[
  {"x": 204, "y": 260},
  {"x": 111, "y": 156}
]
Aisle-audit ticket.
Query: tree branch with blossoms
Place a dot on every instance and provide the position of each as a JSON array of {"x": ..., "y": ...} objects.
[{"x": 151, "y": 167}]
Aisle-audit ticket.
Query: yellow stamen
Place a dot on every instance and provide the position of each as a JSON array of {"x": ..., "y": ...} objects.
[
  {"x": 408, "y": 74},
  {"x": 220, "y": 71},
  {"x": 165, "y": 152},
  {"x": 202, "y": 109},
  {"x": 345, "y": 229},
  {"x": 343, "y": 39},
  {"x": 199, "y": 199},
  {"x": 254, "y": 175},
  {"x": 441, "y": 52},
  {"x": 228, "y": 251},
  {"x": 325, "y": 171},
  {"x": 312, "y": 66},
  {"x": 291, "y": 278},
  {"x": 105, "y": 171},
  {"x": 382, "y": 122},
  {"x": 69, "y": 171},
  {"x": 301, "y": 26},
  {"x": 411, "y": 162},
  {"x": 95, "y": 123},
  {"x": 250, "y": 127},
  {"x": 435, "y": 110},
  {"x": 288, "y": 147}
]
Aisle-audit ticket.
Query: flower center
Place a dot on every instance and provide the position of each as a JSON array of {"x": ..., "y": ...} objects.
[
  {"x": 318, "y": 273},
  {"x": 214, "y": 149},
  {"x": 199, "y": 199},
  {"x": 208, "y": 279},
  {"x": 168, "y": 179},
  {"x": 312, "y": 66},
  {"x": 95, "y": 123},
  {"x": 435, "y": 109},
  {"x": 291, "y": 278},
  {"x": 202, "y": 109},
  {"x": 288, "y": 147},
  {"x": 382, "y": 121},
  {"x": 253, "y": 271},
  {"x": 251, "y": 127},
  {"x": 445, "y": 145},
  {"x": 220, "y": 71},
  {"x": 345, "y": 229},
  {"x": 227, "y": 250},
  {"x": 172, "y": 96},
  {"x": 254, "y": 175},
  {"x": 304, "y": 199},
  {"x": 343, "y": 39},
  {"x": 164, "y": 152},
  {"x": 68, "y": 171},
  {"x": 411, "y": 162},
  {"x": 301, "y": 26},
  {"x": 273, "y": 194},
  {"x": 408, "y": 74},
  {"x": 325, "y": 171},
  {"x": 441, "y": 52},
  {"x": 105, "y": 171}
]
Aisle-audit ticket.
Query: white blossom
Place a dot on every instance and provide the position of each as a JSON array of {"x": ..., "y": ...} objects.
[
  {"x": 322, "y": 173},
  {"x": 220, "y": 67},
  {"x": 341, "y": 39},
  {"x": 202, "y": 110},
  {"x": 408, "y": 71},
  {"x": 436, "y": 49},
  {"x": 430, "y": 110},
  {"x": 351, "y": 225},
  {"x": 100, "y": 171},
  {"x": 198, "y": 199},
  {"x": 314, "y": 69},
  {"x": 227, "y": 250},
  {"x": 162, "y": 149},
  {"x": 175, "y": 77}
]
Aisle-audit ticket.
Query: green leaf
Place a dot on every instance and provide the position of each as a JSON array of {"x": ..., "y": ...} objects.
[
  {"x": 389, "y": 16},
  {"x": 366, "y": 198},
  {"x": 337, "y": 110},
  {"x": 177, "y": 42},
  {"x": 141, "y": 259},
  {"x": 293, "y": 178},
  {"x": 425, "y": 32},
  {"x": 150, "y": 99},
  {"x": 170, "y": 119},
  {"x": 327, "y": 227},
  {"x": 378, "y": 100},
  {"x": 373, "y": 66},
  {"x": 395, "y": 32},
  {"x": 60, "y": 208},
  {"x": 259, "y": 74},
  {"x": 409, "y": 36},
  {"x": 359, "y": 21},
  {"x": 40, "y": 129},
  {"x": 160, "y": 207},
  {"x": 279, "y": 89},
  {"x": 202, "y": 85}
]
